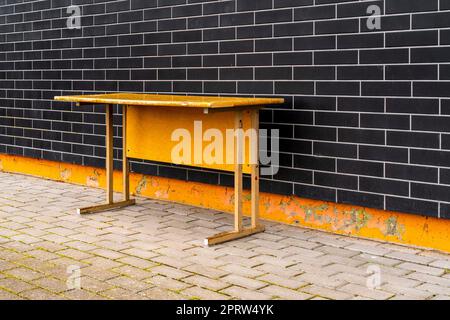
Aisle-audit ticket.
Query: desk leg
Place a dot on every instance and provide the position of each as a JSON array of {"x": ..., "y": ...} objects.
[
  {"x": 238, "y": 183},
  {"x": 109, "y": 155},
  {"x": 255, "y": 172},
  {"x": 239, "y": 230},
  {"x": 125, "y": 163},
  {"x": 110, "y": 204}
]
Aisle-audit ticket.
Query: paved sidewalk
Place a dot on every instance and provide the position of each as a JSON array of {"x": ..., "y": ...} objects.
[{"x": 154, "y": 251}]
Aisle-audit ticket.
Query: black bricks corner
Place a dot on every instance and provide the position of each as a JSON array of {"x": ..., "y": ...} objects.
[{"x": 367, "y": 118}]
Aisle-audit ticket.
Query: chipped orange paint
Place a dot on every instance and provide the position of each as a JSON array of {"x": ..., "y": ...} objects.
[{"x": 337, "y": 218}]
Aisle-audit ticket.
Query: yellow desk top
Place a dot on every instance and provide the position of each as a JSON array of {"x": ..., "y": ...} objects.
[{"x": 135, "y": 99}]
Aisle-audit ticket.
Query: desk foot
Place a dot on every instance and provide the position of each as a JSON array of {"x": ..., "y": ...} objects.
[
  {"x": 106, "y": 206},
  {"x": 232, "y": 235}
]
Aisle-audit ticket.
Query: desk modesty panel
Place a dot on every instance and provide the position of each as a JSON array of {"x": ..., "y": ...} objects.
[{"x": 186, "y": 136}]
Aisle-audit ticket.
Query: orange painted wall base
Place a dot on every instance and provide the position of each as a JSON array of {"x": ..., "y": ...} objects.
[{"x": 337, "y": 218}]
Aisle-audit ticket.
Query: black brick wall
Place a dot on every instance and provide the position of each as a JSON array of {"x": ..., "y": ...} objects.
[{"x": 367, "y": 118}]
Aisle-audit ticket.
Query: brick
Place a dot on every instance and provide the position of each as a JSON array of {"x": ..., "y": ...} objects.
[
  {"x": 384, "y": 56},
  {"x": 52, "y": 285},
  {"x": 245, "y": 294},
  {"x": 74, "y": 254},
  {"x": 284, "y": 293},
  {"x": 337, "y": 26},
  {"x": 98, "y": 273},
  {"x": 137, "y": 262},
  {"x": 103, "y": 263},
  {"x": 39, "y": 294},
  {"x": 172, "y": 261},
  {"x": 421, "y": 268},
  {"x": 5, "y": 295},
  {"x": 405, "y": 256},
  {"x": 199, "y": 293},
  {"x": 378, "y": 260},
  {"x": 207, "y": 283},
  {"x": 429, "y": 278},
  {"x": 434, "y": 289},
  {"x": 244, "y": 282},
  {"x": 443, "y": 264},
  {"x": 326, "y": 293},
  {"x": 5, "y": 265},
  {"x": 393, "y": 6},
  {"x": 24, "y": 274},
  {"x": 206, "y": 271},
  {"x": 15, "y": 285},
  {"x": 143, "y": 245},
  {"x": 441, "y": 297},
  {"x": 122, "y": 294},
  {"x": 290, "y": 283},
  {"x": 142, "y": 254},
  {"x": 415, "y": 38},
  {"x": 320, "y": 279},
  {"x": 170, "y": 272},
  {"x": 128, "y": 284},
  {"x": 241, "y": 270},
  {"x": 82, "y": 295},
  {"x": 112, "y": 245},
  {"x": 160, "y": 294},
  {"x": 366, "y": 292}
]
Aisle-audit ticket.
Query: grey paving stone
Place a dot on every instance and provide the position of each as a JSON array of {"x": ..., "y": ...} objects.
[
  {"x": 154, "y": 250},
  {"x": 326, "y": 293},
  {"x": 285, "y": 293}
]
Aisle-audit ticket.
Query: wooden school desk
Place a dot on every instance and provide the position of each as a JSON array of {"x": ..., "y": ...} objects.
[{"x": 148, "y": 123}]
